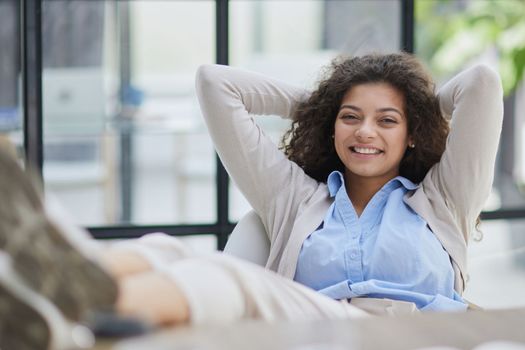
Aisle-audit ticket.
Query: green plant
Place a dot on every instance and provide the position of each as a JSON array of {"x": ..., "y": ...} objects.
[{"x": 450, "y": 33}]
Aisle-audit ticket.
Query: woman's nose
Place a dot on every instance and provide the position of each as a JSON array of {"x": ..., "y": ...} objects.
[{"x": 365, "y": 131}]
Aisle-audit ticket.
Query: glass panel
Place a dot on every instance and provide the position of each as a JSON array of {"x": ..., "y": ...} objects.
[
  {"x": 11, "y": 118},
  {"x": 175, "y": 164},
  {"x": 80, "y": 96},
  {"x": 497, "y": 265},
  {"x": 452, "y": 35},
  {"x": 292, "y": 40},
  {"x": 124, "y": 138}
]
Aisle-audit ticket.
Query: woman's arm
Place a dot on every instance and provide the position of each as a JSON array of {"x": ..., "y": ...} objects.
[
  {"x": 229, "y": 98},
  {"x": 474, "y": 102}
]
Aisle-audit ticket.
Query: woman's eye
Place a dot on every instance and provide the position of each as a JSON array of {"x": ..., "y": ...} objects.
[
  {"x": 389, "y": 121},
  {"x": 348, "y": 116}
]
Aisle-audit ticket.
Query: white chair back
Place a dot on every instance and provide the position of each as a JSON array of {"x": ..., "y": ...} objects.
[{"x": 249, "y": 240}]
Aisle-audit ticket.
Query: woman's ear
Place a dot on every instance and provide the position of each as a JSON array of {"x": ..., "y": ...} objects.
[{"x": 411, "y": 143}]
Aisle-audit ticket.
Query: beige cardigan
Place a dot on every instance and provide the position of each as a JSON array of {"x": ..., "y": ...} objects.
[{"x": 292, "y": 205}]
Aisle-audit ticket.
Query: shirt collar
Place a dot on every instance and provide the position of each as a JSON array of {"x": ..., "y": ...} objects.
[
  {"x": 336, "y": 180},
  {"x": 409, "y": 185}
]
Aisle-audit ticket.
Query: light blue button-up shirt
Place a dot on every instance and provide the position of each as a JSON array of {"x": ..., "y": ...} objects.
[{"x": 387, "y": 252}]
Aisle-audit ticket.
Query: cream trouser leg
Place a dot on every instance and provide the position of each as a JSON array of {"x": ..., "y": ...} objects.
[{"x": 223, "y": 289}]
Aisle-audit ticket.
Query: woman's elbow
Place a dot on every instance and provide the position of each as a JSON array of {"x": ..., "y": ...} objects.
[
  {"x": 486, "y": 79},
  {"x": 204, "y": 75}
]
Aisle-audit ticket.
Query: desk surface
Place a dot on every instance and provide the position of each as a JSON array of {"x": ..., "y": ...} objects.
[{"x": 463, "y": 331}]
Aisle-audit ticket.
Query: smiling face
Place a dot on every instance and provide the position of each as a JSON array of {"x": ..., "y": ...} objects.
[{"x": 371, "y": 132}]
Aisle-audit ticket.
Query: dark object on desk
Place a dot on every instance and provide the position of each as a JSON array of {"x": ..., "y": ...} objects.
[{"x": 111, "y": 325}]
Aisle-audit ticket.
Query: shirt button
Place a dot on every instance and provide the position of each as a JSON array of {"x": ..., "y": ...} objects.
[{"x": 353, "y": 256}]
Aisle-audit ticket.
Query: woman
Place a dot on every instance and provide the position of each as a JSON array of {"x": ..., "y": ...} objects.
[
  {"x": 394, "y": 220},
  {"x": 371, "y": 205}
]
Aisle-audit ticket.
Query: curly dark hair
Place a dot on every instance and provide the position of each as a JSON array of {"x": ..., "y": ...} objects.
[{"x": 308, "y": 142}]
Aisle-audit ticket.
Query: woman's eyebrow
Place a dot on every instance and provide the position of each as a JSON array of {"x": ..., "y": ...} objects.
[
  {"x": 389, "y": 109},
  {"x": 351, "y": 107},
  {"x": 386, "y": 109}
]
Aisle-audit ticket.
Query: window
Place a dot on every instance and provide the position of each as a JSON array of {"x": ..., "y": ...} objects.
[{"x": 122, "y": 142}]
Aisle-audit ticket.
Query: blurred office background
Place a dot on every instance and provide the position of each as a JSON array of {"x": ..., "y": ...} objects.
[{"x": 124, "y": 144}]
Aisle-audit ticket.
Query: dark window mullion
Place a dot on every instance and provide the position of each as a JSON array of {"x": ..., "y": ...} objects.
[
  {"x": 517, "y": 213},
  {"x": 407, "y": 25},
  {"x": 31, "y": 54},
  {"x": 131, "y": 231},
  {"x": 222, "y": 22}
]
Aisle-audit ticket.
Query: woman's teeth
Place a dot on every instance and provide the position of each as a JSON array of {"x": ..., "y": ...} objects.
[{"x": 366, "y": 150}]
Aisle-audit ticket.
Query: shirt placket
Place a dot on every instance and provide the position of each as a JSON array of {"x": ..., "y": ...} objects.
[{"x": 352, "y": 251}]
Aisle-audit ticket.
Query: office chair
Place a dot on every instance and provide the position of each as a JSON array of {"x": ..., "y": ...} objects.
[{"x": 249, "y": 240}]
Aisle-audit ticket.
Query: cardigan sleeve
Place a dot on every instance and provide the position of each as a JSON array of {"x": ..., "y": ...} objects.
[
  {"x": 473, "y": 101},
  {"x": 229, "y": 99}
]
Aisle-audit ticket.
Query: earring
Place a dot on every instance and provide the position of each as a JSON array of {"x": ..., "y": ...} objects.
[
  {"x": 333, "y": 136},
  {"x": 412, "y": 145}
]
